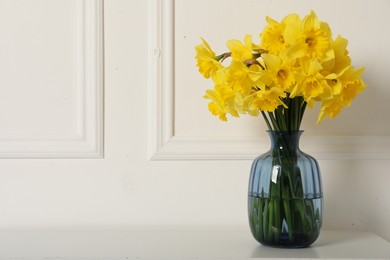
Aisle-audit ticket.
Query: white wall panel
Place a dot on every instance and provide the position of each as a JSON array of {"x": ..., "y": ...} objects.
[
  {"x": 186, "y": 130},
  {"x": 51, "y": 78}
]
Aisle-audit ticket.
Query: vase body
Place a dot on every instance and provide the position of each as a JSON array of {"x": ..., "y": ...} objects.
[{"x": 285, "y": 203}]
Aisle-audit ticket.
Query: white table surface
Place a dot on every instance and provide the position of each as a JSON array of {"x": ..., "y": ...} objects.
[{"x": 179, "y": 244}]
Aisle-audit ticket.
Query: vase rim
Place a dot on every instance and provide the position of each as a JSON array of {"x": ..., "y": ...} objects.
[{"x": 275, "y": 131}]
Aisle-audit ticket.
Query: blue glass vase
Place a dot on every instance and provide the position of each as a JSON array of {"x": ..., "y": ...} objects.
[{"x": 285, "y": 203}]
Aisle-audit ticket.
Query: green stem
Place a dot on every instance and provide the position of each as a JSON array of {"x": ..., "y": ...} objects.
[
  {"x": 286, "y": 119},
  {"x": 288, "y": 102},
  {"x": 223, "y": 56},
  {"x": 271, "y": 219},
  {"x": 281, "y": 118},
  {"x": 278, "y": 219},
  {"x": 266, "y": 218},
  {"x": 286, "y": 201},
  {"x": 274, "y": 122},
  {"x": 303, "y": 107},
  {"x": 260, "y": 216},
  {"x": 266, "y": 121},
  {"x": 287, "y": 210}
]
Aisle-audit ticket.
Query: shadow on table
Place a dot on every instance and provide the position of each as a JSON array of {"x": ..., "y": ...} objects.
[{"x": 270, "y": 252}]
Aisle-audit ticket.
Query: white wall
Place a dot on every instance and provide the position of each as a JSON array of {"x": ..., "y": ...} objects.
[{"x": 126, "y": 189}]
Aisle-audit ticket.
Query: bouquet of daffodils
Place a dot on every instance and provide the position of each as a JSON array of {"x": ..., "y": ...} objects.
[{"x": 297, "y": 63}]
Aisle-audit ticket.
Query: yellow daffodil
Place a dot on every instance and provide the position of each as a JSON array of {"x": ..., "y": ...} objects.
[
  {"x": 317, "y": 36},
  {"x": 280, "y": 73},
  {"x": 217, "y": 110},
  {"x": 342, "y": 59},
  {"x": 296, "y": 64},
  {"x": 237, "y": 77},
  {"x": 281, "y": 70},
  {"x": 257, "y": 75},
  {"x": 268, "y": 100},
  {"x": 276, "y": 36},
  {"x": 352, "y": 85},
  {"x": 330, "y": 108},
  {"x": 272, "y": 37},
  {"x": 241, "y": 51},
  {"x": 226, "y": 96},
  {"x": 309, "y": 81},
  {"x": 206, "y": 61},
  {"x": 218, "y": 98}
]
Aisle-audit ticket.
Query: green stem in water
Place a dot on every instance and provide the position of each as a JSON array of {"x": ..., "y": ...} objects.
[{"x": 266, "y": 218}]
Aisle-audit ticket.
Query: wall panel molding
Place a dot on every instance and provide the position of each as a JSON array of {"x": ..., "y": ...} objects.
[
  {"x": 164, "y": 145},
  {"x": 161, "y": 73},
  {"x": 87, "y": 140}
]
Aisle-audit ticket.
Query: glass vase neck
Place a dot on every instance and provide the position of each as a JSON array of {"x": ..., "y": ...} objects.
[{"x": 285, "y": 140}]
